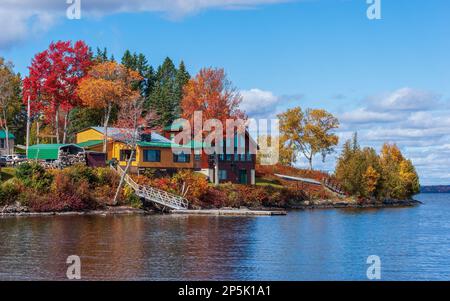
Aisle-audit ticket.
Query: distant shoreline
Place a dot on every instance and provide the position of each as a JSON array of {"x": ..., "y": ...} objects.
[{"x": 435, "y": 189}]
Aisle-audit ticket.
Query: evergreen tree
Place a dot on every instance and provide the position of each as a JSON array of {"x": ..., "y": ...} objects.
[
  {"x": 164, "y": 98},
  {"x": 139, "y": 63},
  {"x": 101, "y": 55}
]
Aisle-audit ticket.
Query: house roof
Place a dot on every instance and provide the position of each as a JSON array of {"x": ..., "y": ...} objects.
[
  {"x": 46, "y": 151},
  {"x": 122, "y": 134},
  {"x": 90, "y": 143},
  {"x": 3, "y": 135}
]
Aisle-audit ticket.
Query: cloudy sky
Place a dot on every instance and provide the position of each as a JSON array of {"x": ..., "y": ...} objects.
[{"x": 388, "y": 79}]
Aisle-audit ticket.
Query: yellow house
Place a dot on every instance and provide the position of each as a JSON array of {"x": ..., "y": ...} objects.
[{"x": 153, "y": 150}]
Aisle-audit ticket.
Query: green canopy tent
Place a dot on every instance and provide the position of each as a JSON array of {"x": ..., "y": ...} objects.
[{"x": 51, "y": 151}]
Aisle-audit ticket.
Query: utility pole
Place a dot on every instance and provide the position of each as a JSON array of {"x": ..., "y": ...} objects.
[{"x": 28, "y": 123}]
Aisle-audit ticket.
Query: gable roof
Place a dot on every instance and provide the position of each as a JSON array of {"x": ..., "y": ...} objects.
[
  {"x": 121, "y": 133},
  {"x": 90, "y": 143}
]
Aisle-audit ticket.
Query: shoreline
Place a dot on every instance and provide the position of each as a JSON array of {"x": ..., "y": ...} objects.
[{"x": 12, "y": 211}]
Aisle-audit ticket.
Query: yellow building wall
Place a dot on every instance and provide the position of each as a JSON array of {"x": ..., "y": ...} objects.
[
  {"x": 89, "y": 134},
  {"x": 166, "y": 158}
]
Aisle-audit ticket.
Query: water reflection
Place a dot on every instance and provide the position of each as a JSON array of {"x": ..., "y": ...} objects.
[{"x": 413, "y": 243}]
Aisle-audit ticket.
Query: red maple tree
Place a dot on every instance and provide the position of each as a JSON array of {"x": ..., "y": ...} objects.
[{"x": 52, "y": 81}]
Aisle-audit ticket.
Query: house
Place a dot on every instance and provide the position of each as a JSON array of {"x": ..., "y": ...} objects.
[
  {"x": 235, "y": 167},
  {"x": 153, "y": 150},
  {"x": 11, "y": 140},
  {"x": 156, "y": 151}
]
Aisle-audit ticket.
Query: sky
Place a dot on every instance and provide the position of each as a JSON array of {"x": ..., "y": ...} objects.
[{"x": 388, "y": 79}]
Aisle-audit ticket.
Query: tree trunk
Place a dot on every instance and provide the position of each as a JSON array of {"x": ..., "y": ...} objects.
[
  {"x": 57, "y": 125},
  {"x": 5, "y": 125},
  {"x": 66, "y": 117},
  {"x": 8, "y": 151},
  {"x": 310, "y": 163},
  {"x": 216, "y": 169},
  {"x": 105, "y": 136},
  {"x": 122, "y": 178}
]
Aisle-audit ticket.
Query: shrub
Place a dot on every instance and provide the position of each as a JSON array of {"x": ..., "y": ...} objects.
[
  {"x": 196, "y": 184},
  {"x": 131, "y": 198},
  {"x": 10, "y": 191},
  {"x": 35, "y": 176},
  {"x": 105, "y": 176},
  {"x": 80, "y": 172}
]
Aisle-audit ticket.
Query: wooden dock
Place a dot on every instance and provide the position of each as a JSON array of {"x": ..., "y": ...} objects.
[{"x": 230, "y": 212}]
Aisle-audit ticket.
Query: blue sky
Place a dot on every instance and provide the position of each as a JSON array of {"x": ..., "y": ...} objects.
[{"x": 389, "y": 79}]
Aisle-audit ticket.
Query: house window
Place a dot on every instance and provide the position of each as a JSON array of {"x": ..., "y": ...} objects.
[
  {"x": 2, "y": 143},
  {"x": 125, "y": 155},
  {"x": 222, "y": 174},
  {"x": 181, "y": 158},
  {"x": 242, "y": 157},
  {"x": 197, "y": 157},
  {"x": 229, "y": 157},
  {"x": 151, "y": 155},
  {"x": 221, "y": 157},
  {"x": 249, "y": 158}
]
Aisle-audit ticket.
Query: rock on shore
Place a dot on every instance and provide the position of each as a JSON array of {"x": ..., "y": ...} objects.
[{"x": 354, "y": 203}]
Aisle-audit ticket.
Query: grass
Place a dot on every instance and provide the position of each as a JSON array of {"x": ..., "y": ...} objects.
[
  {"x": 267, "y": 182},
  {"x": 7, "y": 173}
]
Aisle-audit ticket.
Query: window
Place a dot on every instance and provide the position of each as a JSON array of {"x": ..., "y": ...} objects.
[
  {"x": 249, "y": 158},
  {"x": 151, "y": 155},
  {"x": 197, "y": 157},
  {"x": 229, "y": 157},
  {"x": 2, "y": 143},
  {"x": 222, "y": 174},
  {"x": 181, "y": 158},
  {"x": 221, "y": 157},
  {"x": 125, "y": 155},
  {"x": 242, "y": 157}
]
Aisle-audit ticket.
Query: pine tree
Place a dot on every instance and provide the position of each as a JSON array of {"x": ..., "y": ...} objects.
[{"x": 164, "y": 99}]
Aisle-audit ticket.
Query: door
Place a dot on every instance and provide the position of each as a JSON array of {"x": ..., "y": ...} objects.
[{"x": 243, "y": 176}]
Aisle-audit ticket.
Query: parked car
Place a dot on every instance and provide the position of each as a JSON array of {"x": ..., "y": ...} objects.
[
  {"x": 17, "y": 158},
  {"x": 14, "y": 159}
]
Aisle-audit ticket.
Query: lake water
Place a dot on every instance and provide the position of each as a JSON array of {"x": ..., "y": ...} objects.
[{"x": 412, "y": 243}]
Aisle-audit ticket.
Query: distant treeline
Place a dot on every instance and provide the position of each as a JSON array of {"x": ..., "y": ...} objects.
[{"x": 435, "y": 189}]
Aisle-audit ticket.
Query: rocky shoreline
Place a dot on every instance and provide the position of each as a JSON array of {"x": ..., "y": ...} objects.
[
  {"x": 356, "y": 204},
  {"x": 18, "y": 210}
]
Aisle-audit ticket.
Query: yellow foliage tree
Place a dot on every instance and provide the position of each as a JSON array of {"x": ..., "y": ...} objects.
[
  {"x": 108, "y": 84},
  {"x": 309, "y": 132},
  {"x": 371, "y": 177}
]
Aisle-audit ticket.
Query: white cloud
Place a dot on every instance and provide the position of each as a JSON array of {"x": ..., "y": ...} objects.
[
  {"x": 418, "y": 121},
  {"x": 264, "y": 104},
  {"x": 258, "y": 102},
  {"x": 19, "y": 18},
  {"x": 404, "y": 99},
  {"x": 362, "y": 115}
]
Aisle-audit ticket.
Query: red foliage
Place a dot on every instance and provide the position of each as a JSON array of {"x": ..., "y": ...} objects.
[{"x": 54, "y": 76}]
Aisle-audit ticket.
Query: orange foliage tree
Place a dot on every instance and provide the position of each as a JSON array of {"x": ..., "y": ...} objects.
[
  {"x": 108, "y": 84},
  {"x": 213, "y": 94}
]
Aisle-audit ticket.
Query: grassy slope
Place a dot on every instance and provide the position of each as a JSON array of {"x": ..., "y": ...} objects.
[{"x": 7, "y": 173}]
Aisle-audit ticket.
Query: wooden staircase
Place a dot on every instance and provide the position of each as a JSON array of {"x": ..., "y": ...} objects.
[
  {"x": 333, "y": 187},
  {"x": 162, "y": 199}
]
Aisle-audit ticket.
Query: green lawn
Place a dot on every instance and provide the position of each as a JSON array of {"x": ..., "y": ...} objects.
[
  {"x": 7, "y": 173},
  {"x": 267, "y": 182}
]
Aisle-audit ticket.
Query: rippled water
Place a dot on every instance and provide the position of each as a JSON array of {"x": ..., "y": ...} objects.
[{"x": 413, "y": 244}]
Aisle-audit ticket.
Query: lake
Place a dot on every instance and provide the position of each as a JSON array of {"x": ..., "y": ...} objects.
[{"x": 332, "y": 244}]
